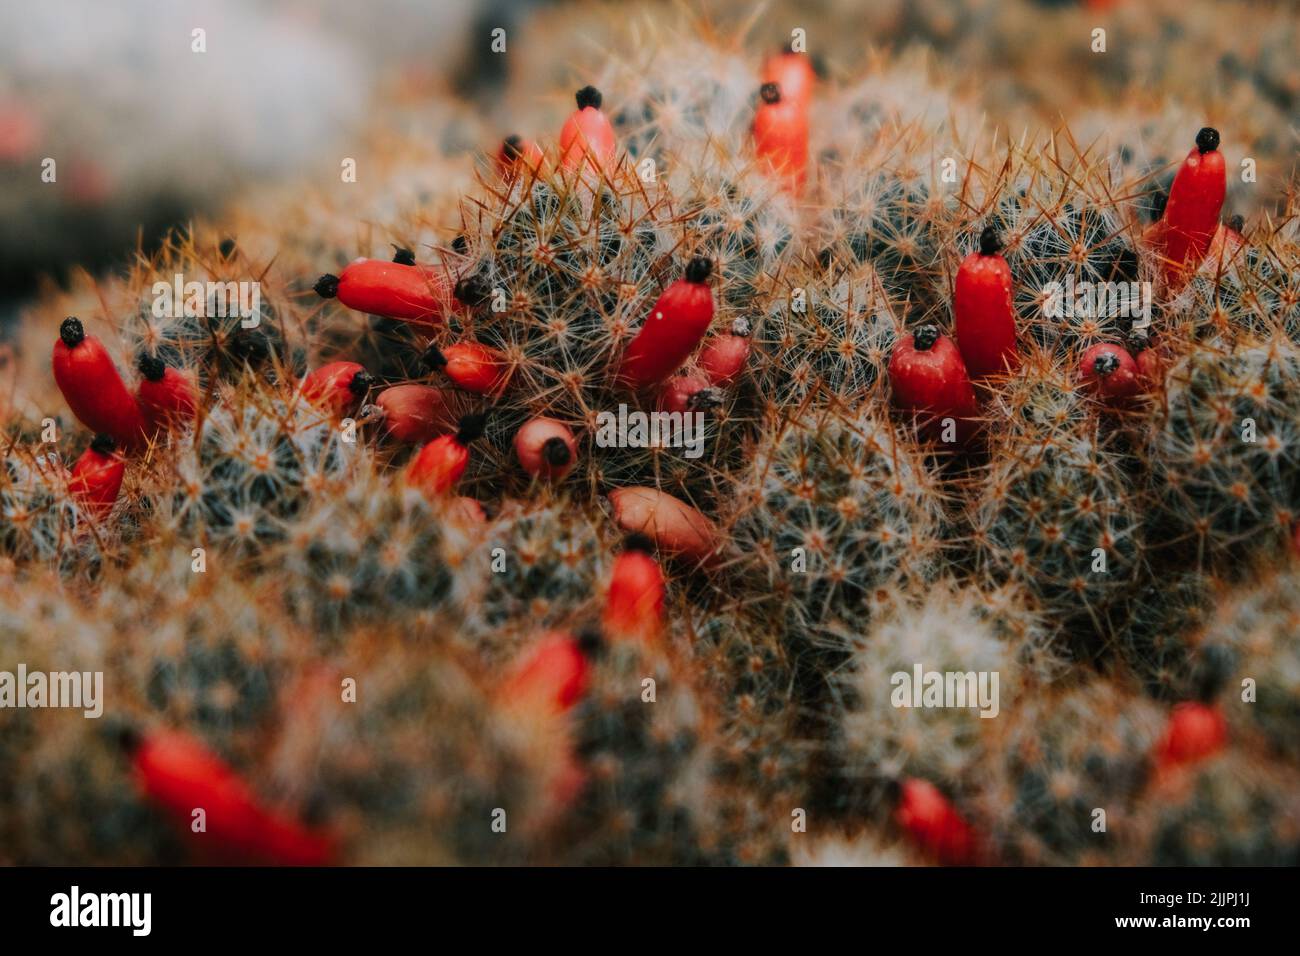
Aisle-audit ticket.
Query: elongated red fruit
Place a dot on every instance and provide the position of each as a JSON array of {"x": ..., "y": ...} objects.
[
  {"x": 985, "y": 318},
  {"x": 781, "y": 136},
  {"x": 471, "y": 365},
  {"x": 92, "y": 387},
  {"x": 928, "y": 379},
  {"x": 676, "y": 324},
  {"x": 935, "y": 825},
  {"x": 518, "y": 154},
  {"x": 794, "y": 73},
  {"x": 688, "y": 392},
  {"x": 677, "y": 529},
  {"x": 723, "y": 357},
  {"x": 414, "y": 413},
  {"x": 167, "y": 396},
  {"x": 180, "y": 775},
  {"x": 1110, "y": 372},
  {"x": 96, "y": 476},
  {"x": 1195, "y": 731},
  {"x": 1195, "y": 200},
  {"x": 546, "y": 448},
  {"x": 634, "y": 604},
  {"x": 337, "y": 387},
  {"x": 398, "y": 290},
  {"x": 553, "y": 674},
  {"x": 439, "y": 464},
  {"x": 587, "y": 134}
]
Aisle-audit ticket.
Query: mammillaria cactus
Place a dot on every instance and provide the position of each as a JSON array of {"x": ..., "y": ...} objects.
[{"x": 616, "y": 496}]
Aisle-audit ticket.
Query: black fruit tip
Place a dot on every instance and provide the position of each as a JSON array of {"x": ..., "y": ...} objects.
[
  {"x": 226, "y": 248},
  {"x": 637, "y": 541},
  {"x": 361, "y": 383},
  {"x": 588, "y": 96},
  {"x": 741, "y": 328},
  {"x": 433, "y": 359},
  {"x": 704, "y": 400},
  {"x": 990, "y": 242},
  {"x": 151, "y": 367},
  {"x": 1207, "y": 140},
  {"x": 126, "y": 737},
  {"x": 472, "y": 290},
  {"x": 327, "y": 286},
  {"x": 403, "y": 256},
  {"x": 471, "y": 427},
  {"x": 72, "y": 332},
  {"x": 103, "y": 444},
  {"x": 1105, "y": 363},
  {"x": 770, "y": 93},
  {"x": 699, "y": 269},
  {"x": 556, "y": 452},
  {"x": 923, "y": 339},
  {"x": 512, "y": 147},
  {"x": 591, "y": 642},
  {"x": 1237, "y": 223}
]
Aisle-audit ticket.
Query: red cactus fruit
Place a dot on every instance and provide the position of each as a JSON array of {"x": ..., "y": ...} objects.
[
  {"x": 935, "y": 825},
  {"x": 675, "y": 527},
  {"x": 474, "y": 367},
  {"x": 180, "y": 775},
  {"x": 634, "y": 603},
  {"x": 587, "y": 134},
  {"x": 167, "y": 396},
  {"x": 96, "y": 476},
  {"x": 677, "y": 321},
  {"x": 1195, "y": 731},
  {"x": 985, "y": 317},
  {"x": 928, "y": 379},
  {"x": 723, "y": 357},
  {"x": 1195, "y": 200},
  {"x": 1110, "y": 372},
  {"x": 440, "y": 463},
  {"x": 517, "y": 154},
  {"x": 401, "y": 289},
  {"x": 552, "y": 675},
  {"x": 781, "y": 136},
  {"x": 414, "y": 414},
  {"x": 337, "y": 387},
  {"x": 687, "y": 392},
  {"x": 546, "y": 448},
  {"x": 92, "y": 387},
  {"x": 793, "y": 73}
]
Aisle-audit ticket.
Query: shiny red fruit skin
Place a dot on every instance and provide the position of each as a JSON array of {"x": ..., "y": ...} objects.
[
  {"x": 1192, "y": 213},
  {"x": 172, "y": 400},
  {"x": 476, "y": 368},
  {"x": 419, "y": 293},
  {"x": 330, "y": 387},
  {"x": 677, "y": 322},
  {"x": 94, "y": 390},
  {"x": 1124, "y": 382},
  {"x": 587, "y": 136},
  {"x": 96, "y": 480},
  {"x": 723, "y": 358},
  {"x": 932, "y": 384},
  {"x": 438, "y": 466},
  {"x": 985, "y": 324},
  {"x": 414, "y": 413}
]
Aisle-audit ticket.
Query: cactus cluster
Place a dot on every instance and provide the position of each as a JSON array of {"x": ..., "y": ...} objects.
[{"x": 419, "y": 636}]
